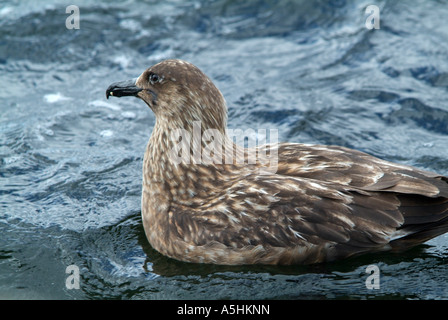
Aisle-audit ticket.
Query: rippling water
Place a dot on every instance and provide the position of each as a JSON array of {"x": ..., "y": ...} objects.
[{"x": 70, "y": 160}]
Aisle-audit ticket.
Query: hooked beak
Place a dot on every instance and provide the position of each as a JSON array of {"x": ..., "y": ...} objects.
[{"x": 123, "y": 88}]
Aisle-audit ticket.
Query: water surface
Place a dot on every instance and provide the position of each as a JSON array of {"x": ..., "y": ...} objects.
[{"x": 70, "y": 160}]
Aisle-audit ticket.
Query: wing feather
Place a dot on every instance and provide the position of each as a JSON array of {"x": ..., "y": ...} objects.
[{"x": 324, "y": 198}]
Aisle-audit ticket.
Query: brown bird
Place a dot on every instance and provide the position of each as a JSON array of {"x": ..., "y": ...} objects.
[{"x": 293, "y": 204}]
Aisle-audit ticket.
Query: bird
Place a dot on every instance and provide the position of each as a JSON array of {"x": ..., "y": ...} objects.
[{"x": 294, "y": 204}]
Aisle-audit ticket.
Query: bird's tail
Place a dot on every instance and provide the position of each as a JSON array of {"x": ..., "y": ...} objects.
[{"x": 424, "y": 220}]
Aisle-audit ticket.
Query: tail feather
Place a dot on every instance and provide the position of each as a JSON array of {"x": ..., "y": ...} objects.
[
  {"x": 424, "y": 219},
  {"x": 420, "y": 234}
]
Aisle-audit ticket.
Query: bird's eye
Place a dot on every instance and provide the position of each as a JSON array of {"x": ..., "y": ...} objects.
[{"x": 153, "y": 78}]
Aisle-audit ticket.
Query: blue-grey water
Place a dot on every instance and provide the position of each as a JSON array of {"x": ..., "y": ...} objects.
[{"x": 70, "y": 160}]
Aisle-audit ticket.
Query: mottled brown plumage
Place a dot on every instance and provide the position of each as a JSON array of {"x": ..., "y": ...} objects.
[{"x": 322, "y": 203}]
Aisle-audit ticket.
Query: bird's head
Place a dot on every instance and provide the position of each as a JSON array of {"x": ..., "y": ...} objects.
[{"x": 178, "y": 93}]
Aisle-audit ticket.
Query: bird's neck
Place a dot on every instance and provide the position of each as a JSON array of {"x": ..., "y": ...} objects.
[
  {"x": 187, "y": 161},
  {"x": 195, "y": 160}
]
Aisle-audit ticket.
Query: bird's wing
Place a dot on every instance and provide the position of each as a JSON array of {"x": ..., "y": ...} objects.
[
  {"x": 354, "y": 168},
  {"x": 291, "y": 212},
  {"x": 420, "y": 197},
  {"x": 378, "y": 206},
  {"x": 279, "y": 211}
]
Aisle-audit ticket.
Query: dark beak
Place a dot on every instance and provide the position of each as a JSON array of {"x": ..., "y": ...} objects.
[{"x": 124, "y": 88}]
